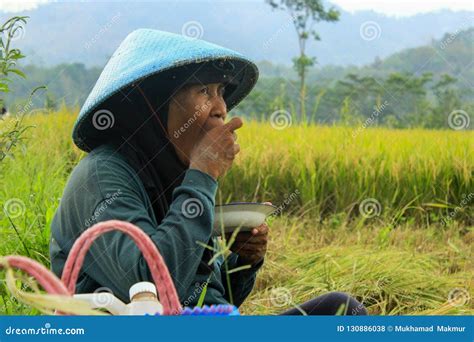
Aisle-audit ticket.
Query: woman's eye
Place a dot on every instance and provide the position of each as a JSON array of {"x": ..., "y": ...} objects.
[{"x": 204, "y": 90}]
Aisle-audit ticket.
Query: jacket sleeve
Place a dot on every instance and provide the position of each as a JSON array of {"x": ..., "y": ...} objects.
[
  {"x": 241, "y": 282},
  {"x": 115, "y": 260}
]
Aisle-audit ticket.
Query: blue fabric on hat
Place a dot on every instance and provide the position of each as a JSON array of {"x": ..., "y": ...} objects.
[{"x": 145, "y": 53}]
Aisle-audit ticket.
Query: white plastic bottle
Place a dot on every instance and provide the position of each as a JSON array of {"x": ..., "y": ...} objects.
[{"x": 143, "y": 301}]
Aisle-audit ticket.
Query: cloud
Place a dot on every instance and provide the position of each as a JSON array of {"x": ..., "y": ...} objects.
[
  {"x": 401, "y": 8},
  {"x": 13, "y": 6}
]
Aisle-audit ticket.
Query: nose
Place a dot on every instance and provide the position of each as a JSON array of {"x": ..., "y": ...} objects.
[{"x": 218, "y": 108}]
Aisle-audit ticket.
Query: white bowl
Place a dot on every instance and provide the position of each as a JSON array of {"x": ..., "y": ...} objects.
[{"x": 243, "y": 215}]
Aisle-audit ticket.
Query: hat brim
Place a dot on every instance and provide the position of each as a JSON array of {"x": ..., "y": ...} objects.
[{"x": 132, "y": 64}]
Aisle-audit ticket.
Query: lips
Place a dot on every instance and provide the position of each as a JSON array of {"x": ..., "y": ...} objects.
[{"x": 213, "y": 122}]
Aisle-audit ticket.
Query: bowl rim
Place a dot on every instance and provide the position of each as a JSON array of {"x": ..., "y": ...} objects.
[{"x": 240, "y": 203}]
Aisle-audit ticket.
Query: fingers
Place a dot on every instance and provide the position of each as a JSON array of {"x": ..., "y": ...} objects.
[
  {"x": 258, "y": 235},
  {"x": 249, "y": 246},
  {"x": 244, "y": 236},
  {"x": 232, "y": 153},
  {"x": 246, "y": 248},
  {"x": 251, "y": 256},
  {"x": 260, "y": 230},
  {"x": 252, "y": 243},
  {"x": 249, "y": 243},
  {"x": 247, "y": 235},
  {"x": 251, "y": 253},
  {"x": 252, "y": 239},
  {"x": 233, "y": 124}
]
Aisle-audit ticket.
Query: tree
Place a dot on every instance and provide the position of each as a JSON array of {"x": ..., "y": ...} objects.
[
  {"x": 305, "y": 14},
  {"x": 9, "y": 134},
  {"x": 406, "y": 95},
  {"x": 12, "y": 131},
  {"x": 8, "y": 55},
  {"x": 447, "y": 100}
]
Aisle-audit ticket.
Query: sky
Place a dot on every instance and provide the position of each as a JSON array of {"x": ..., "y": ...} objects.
[
  {"x": 388, "y": 7},
  {"x": 13, "y": 6},
  {"x": 404, "y": 7}
]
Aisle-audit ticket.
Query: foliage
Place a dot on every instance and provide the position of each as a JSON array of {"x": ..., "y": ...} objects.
[
  {"x": 402, "y": 261},
  {"x": 304, "y": 14},
  {"x": 10, "y": 134}
]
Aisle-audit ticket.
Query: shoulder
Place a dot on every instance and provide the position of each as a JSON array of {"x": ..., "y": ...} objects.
[
  {"x": 104, "y": 157},
  {"x": 103, "y": 172},
  {"x": 100, "y": 176}
]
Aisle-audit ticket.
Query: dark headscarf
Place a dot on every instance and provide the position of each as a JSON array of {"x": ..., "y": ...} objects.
[
  {"x": 143, "y": 139},
  {"x": 147, "y": 148}
]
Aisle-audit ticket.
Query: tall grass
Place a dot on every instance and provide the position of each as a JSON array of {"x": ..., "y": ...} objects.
[
  {"x": 411, "y": 271},
  {"x": 415, "y": 174},
  {"x": 400, "y": 261}
]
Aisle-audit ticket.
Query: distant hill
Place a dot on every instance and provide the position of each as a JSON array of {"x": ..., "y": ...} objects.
[
  {"x": 88, "y": 32},
  {"x": 451, "y": 54}
]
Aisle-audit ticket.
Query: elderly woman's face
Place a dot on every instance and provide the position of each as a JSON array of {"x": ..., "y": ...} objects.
[{"x": 193, "y": 111}]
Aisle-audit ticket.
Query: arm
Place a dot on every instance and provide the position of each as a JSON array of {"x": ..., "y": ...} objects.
[{"x": 114, "y": 260}]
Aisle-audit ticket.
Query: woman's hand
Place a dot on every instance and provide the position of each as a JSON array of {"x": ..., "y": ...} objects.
[
  {"x": 251, "y": 246},
  {"x": 216, "y": 151}
]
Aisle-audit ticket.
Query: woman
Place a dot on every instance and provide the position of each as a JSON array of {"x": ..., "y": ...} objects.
[{"x": 154, "y": 127}]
